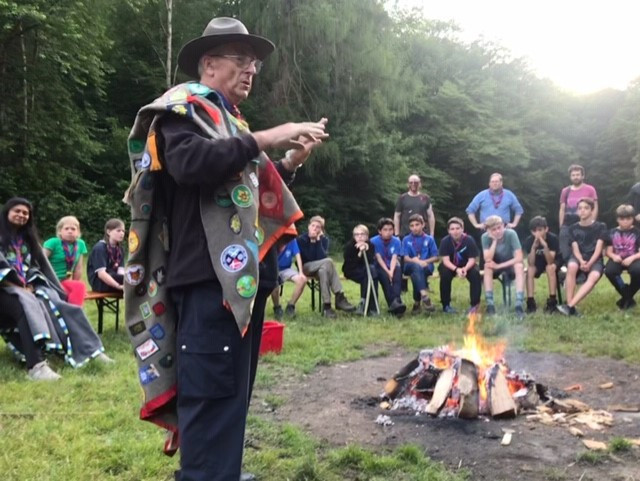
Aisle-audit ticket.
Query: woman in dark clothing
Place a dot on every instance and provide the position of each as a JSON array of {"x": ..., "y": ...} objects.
[{"x": 354, "y": 267}]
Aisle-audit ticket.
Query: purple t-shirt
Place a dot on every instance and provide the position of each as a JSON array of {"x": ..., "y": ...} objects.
[
  {"x": 625, "y": 243},
  {"x": 571, "y": 197}
]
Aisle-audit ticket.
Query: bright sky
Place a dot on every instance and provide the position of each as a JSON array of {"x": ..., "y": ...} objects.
[{"x": 582, "y": 46}]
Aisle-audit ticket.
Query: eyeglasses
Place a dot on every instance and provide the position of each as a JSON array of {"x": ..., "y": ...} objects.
[
  {"x": 359, "y": 233},
  {"x": 243, "y": 61}
]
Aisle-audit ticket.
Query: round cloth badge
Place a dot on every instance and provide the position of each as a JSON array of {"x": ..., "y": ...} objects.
[
  {"x": 234, "y": 258},
  {"x": 145, "y": 162},
  {"x": 136, "y": 146},
  {"x": 134, "y": 274},
  {"x": 223, "y": 200},
  {"x": 242, "y": 196},
  {"x": 153, "y": 288},
  {"x": 134, "y": 241},
  {"x": 269, "y": 199},
  {"x": 145, "y": 209},
  {"x": 235, "y": 224},
  {"x": 247, "y": 286}
]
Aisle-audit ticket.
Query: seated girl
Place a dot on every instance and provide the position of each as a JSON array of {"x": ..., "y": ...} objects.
[
  {"x": 65, "y": 254},
  {"x": 105, "y": 268},
  {"x": 35, "y": 318}
]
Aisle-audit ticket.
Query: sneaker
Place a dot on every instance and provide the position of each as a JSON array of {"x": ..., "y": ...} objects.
[
  {"x": 565, "y": 310},
  {"x": 426, "y": 304},
  {"x": 550, "y": 306},
  {"x": 290, "y": 311},
  {"x": 531, "y": 306},
  {"x": 519, "y": 313},
  {"x": 416, "y": 309},
  {"x": 329, "y": 313},
  {"x": 449, "y": 310},
  {"x": 343, "y": 304},
  {"x": 278, "y": 312},
  {"x": 397, "y": 307},
  {"x": 103, "y": 358},
  {"x": 42, "y": 372},
  {"x": 490, "y": 310}
]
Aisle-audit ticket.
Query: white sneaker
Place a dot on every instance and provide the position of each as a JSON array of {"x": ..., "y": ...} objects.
[
  {"x": 102, "y": 357},
  {"x": 42, "y": 372}
]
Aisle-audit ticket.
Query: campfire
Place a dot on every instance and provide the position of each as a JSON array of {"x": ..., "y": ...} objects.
[{"x": 468, "y": 382}]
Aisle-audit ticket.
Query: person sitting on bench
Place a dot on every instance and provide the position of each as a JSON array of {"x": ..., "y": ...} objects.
[
  {"x": 388, "y": 250},
  {"x": 105, "y": 268},
  {"x": 354, "y": 268},
  {"x": 287, "y": 254},
  {"x": 541, "y": 248}
]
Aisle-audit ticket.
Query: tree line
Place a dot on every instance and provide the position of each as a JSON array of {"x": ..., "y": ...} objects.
[{"x": 402, "y": 93}]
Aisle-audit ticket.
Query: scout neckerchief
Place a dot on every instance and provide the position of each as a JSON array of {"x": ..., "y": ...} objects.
[
  {"x": 385, "y": 246},
  {"x": 457, "y": 251},
  {"x": 417, "y": 251},
  {"x": 497, "y": 199},
  {"x": 17, "y": 244},
  {"x": 70, "y": 250},
  {"x": 115, "y": 256}
]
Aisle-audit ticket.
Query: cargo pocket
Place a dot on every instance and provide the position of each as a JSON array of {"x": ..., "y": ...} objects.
[{"x": 205, "y": 367}]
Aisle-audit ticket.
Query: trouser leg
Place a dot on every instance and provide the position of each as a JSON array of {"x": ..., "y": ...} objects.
[
  {"x": 475, "y": 286},
  {"x": 13, "y": 316},
  {"x": 213, "y": 374},
  {"x": 418, "y": 280},
  {"x": 387, "y": 287},
  {"x": 446, "y": 277},
  {"x": 634, "y": 283},
  {"x": 613, "y": 271},
  {"x": 255, "y": 331}
]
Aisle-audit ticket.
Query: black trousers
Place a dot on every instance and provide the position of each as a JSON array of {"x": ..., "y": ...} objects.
[
  {"x": 392, "y": 288},
  {"x": 359, "y": 275},
  {"x": 447, "y": 276},
  {"x": 12, "y": 316},
  {"x": 614, "y": 270},
  {"x": 214, "y": 382}
]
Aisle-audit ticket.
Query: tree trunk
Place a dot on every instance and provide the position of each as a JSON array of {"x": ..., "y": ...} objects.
[{"x": 169, "y": 4}]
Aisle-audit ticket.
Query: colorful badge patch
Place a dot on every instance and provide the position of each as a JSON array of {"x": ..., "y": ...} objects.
[
  {"x": 235, "y": 224},
  {"x": 159, "y": 308},
  {"x": 269, "y": 199},
  {"x": 147, "y": 349},
  {"x": 145, "y": 161},
  {"x": 157, "y": 331},
  {"x": 259, "y": 235},
  {"x": 242, "y": 196},
  {"x": 199, "y": 89},
  {"x": 179, "y": 109},
  {"x": 145, "y": 310},
  {"x": 178, "y": 96},
  {"x": 234, "y": 258},
  {"x": 134, "y": 274},
  {"x": 148, "y": 373},
  {"x": 160, "y": 275},
  {"x": 223, "y": 200},
  {"x": 145, "y": 209},
  {"x": 246, "y": 286},
  {"x": 153, "y": 288},
  {"x": 136, "y": 146},
  {"x": 137, "y": 328},
  {"x": 134, "y": 241},
  {"x": 166, "y": 361},
  {"x": 141, "y": 290},
  {"x": 254, "y": 179}
]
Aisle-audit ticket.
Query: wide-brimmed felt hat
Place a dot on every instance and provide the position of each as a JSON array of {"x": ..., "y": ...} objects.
[{"x": 220, "y": 31}]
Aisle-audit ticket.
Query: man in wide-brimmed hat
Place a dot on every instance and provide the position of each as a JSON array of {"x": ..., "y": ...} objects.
[{"x": 208, "y": 207}]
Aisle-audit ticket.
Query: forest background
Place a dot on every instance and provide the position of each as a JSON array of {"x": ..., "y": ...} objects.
[{"x": 402, "y": 93}]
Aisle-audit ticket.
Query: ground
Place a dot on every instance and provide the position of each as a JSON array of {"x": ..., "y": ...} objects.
[{"x": 334, "y": 403}]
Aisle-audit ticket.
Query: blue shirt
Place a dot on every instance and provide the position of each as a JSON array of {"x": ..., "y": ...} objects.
[
  {"x": 387, "y": 250},
  {"x": 422, "y": 246},
  {"x": 285, "y": 258},
  {"x": 501, "y": 205}
]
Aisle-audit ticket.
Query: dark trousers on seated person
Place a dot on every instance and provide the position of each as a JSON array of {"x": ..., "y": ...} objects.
[
  {"x": 392, "y": 288},
  {"x": 419, "y": 279},
  {"x": 614, "y": 270},
  {"x": 213, "y": 379},
  {"x": 360, "y": 276},
  {"x": 447, "y": 276},
  {"x": 325, "y": 271},
  {"x": 13, "y": 317}
]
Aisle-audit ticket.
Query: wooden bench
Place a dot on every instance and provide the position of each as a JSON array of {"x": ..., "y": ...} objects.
[{"x": 110, "y": 300}]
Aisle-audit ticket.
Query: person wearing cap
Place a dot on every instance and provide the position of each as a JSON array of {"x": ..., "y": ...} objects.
[{"x": 208, "y": 210}]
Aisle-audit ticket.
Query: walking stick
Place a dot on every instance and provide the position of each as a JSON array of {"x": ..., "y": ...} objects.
[{"x": 370, "y": 289}]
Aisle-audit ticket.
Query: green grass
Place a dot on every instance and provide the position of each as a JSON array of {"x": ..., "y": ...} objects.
[{"x": 86, "y": 425}]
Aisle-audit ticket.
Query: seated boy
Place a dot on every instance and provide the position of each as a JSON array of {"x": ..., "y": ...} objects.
[
  {"x": 502, "y": 252},
  {"x": 286, "y": 273},
  {"x": 388, "y": 248},
  {"x": 623, "y": 251},
  {"x": 420, "y": 253},
  {"x": 314, "y": 250},
  {"x": 541, "y": 248},
  {"x": 356, "y": 251},
  {"x": 458, "y": 253},
  {"x": 587, "y": 238}
]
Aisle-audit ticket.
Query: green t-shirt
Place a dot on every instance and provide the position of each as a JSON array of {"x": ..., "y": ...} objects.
[
  {"x": 57, "y": 258},
  {"x": 506, "y": 247}
]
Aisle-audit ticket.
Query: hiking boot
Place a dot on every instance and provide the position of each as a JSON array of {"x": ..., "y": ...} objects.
[
  {"x": 290, "y": 311},
  {"x": 329, "y": 313},
  {"x": 490, "y": 310},
  {"x": 416, "y": 309},
  {"x": 343, "y": 304},
  {"x": 426, "y": 304},
  {"x": 519, "y": 313},
  {"x": 551, "y": 305},
  {"x": 360, "y": 308},
  {"x": 397, "y": 307},
  {"x": 278, "y": 312},
  {"x": 103, "y": 358},
  {"x": 42, "y": 372},
  {"x": 531, "y": 305},
  {"x": 449, "y": 310}
]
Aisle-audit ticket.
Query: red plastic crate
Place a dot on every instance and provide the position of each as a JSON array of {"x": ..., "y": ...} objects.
[{"x": 272, "y": 337}]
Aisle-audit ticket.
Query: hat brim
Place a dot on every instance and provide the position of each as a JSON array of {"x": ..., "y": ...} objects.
[{"x": 193, "y": 50}]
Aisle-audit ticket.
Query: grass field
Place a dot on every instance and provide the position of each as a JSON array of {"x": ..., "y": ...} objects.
[{"x": 85, "y": 426}]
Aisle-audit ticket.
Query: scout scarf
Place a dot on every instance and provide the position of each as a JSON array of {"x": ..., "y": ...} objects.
[
  {"x": 70, "y": 250},
  {"x": 242, "y": 220}
]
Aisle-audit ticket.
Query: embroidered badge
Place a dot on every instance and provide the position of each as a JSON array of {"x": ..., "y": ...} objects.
[
  {"x": 153, "y": 288},
  {"x": 146, "y": 181},
  {"x": 145, "y": 161},
  {"x": 141, "y": 290},
  {"x": 134, "y": 274},
  {"x": 246, "y": 286},
  {"x": 199, "y": 89},
  {"x": 148, "y": 373},
  {"x": 159, "y": 308},
  {"x": 157, "y": 331},
  {"x": 254, "y": 179},
  {"x": 269, "y": 199},
  {"x": 134, "y": 241},
  {"x": 145, "y": 209},
  {"x": 259, "y": 235},
  {"x": 234, "y": 258},
  {"x": 136, "y": 146},
  {"x": 145, "y": 310},
  {"x": 166, "y": 361},
  {"x": 160, "y": 275},
  {"x": 235, "y": 224},
  {"x": 147, "y": 349},
  {"x": 223, "y": 200},
  {"x": 242, "y": 196},
  {"x": 137, "y": 328},
  {"x": 179, "y": 109},
  {"x": 178, "y": 96}
]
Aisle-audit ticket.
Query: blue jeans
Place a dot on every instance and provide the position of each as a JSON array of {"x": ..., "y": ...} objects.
[{"x": 419, "y": 276}]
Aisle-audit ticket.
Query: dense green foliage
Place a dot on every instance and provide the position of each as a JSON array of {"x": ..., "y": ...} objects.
[{"x": 402, "y": 93}]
